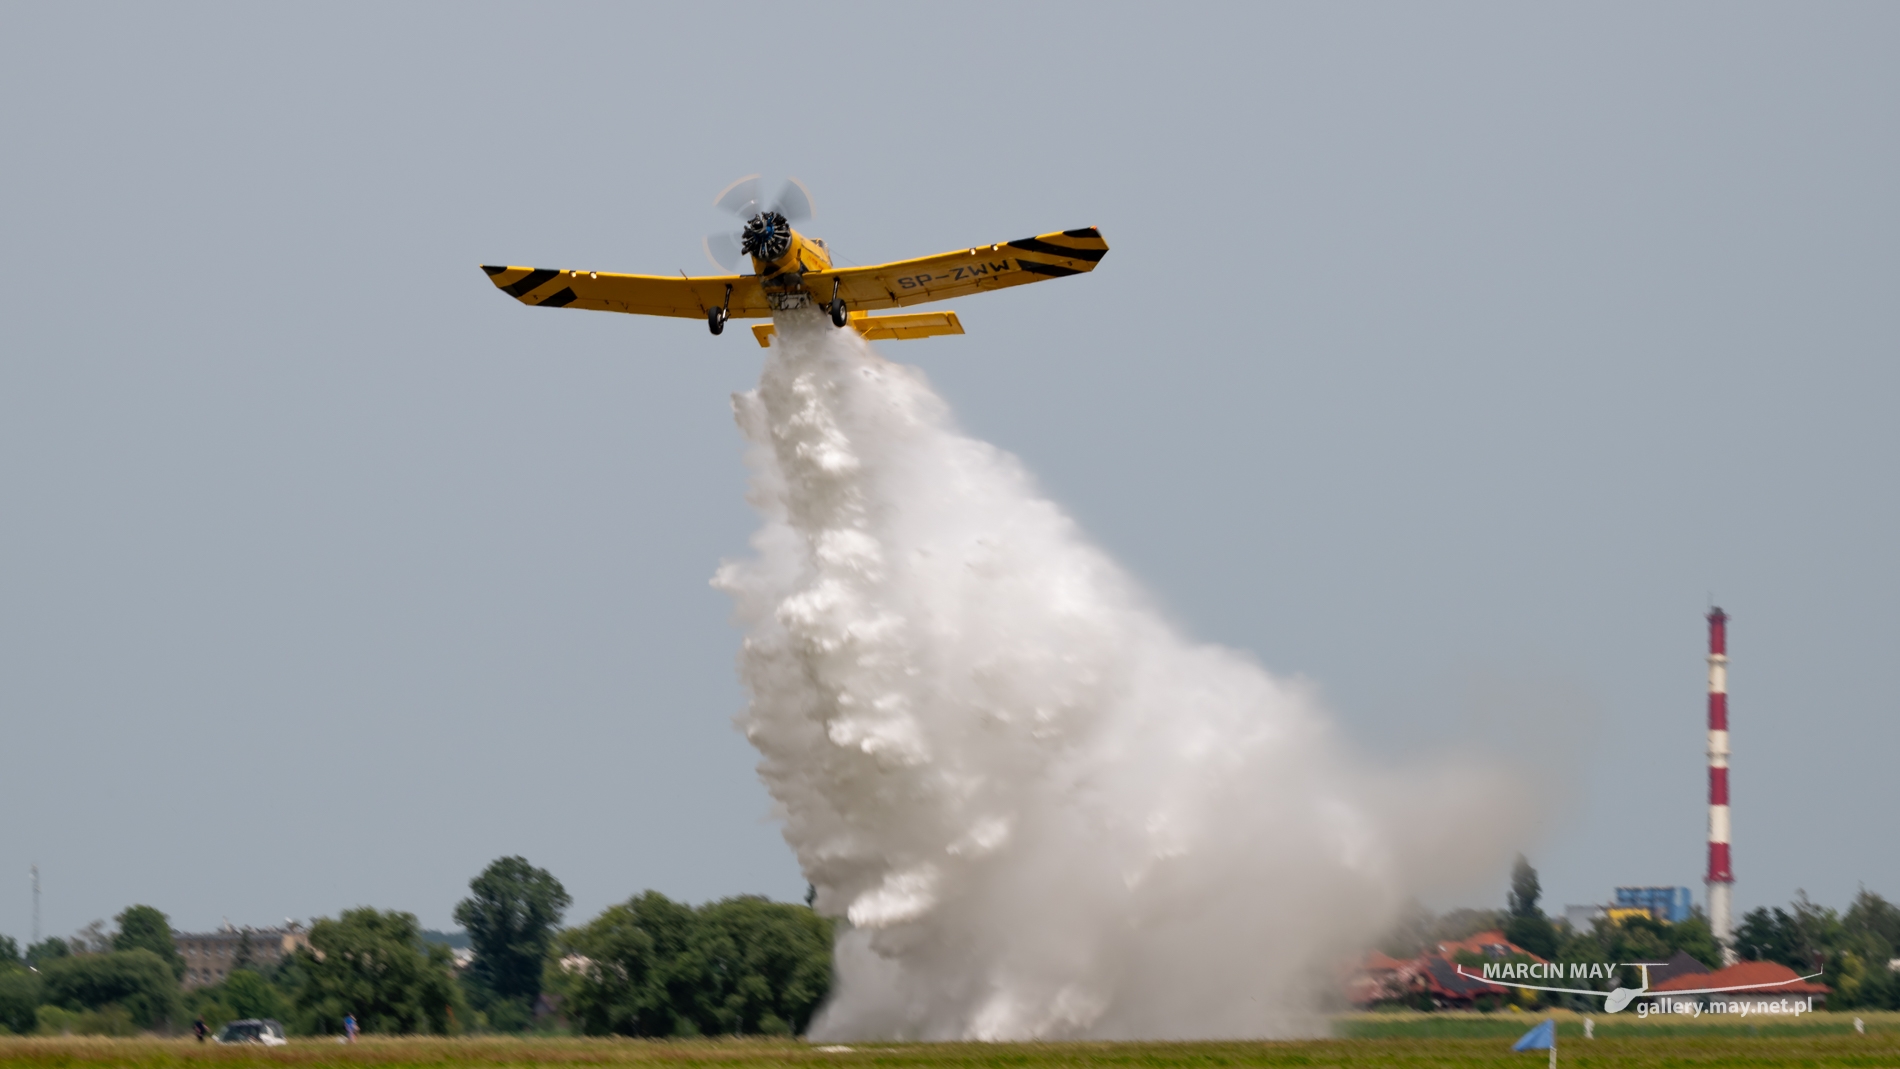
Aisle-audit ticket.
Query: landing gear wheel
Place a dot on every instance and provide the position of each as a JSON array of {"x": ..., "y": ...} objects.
[
  {"x": 836, "y": 308},
  {"x": 716, "y": 320}
]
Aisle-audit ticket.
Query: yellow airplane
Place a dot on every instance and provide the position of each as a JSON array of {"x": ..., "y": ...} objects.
[{"x": 791, "y": 270}]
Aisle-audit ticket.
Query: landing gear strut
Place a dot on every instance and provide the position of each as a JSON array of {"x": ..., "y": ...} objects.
[
  {"x": 836, "y": 307},
  {"x": 716, "y": 318}
]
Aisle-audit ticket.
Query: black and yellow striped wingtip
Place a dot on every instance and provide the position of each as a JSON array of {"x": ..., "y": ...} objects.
[
  {"x": 1081, "y": 249},
  {"x": 531, "y": 285}
]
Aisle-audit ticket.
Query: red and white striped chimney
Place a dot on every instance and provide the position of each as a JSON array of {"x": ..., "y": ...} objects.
[{"x": 1721, "y": 878}]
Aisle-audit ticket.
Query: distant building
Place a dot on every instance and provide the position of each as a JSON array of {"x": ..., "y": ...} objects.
[
  {"x": 1490, "y": 945},
  {"x": 460, "y": 948},
  {"x": 1679, "y": 965},
  {"x": 210, "y": 956},
  {"x": 1434, "y": 977},
  {"x": 1767, "y": 987},
  {"x": 1669, "y": 904},
  {"x": 1581, "y": 918}
]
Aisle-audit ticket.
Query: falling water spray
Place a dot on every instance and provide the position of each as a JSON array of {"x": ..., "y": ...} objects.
[{"x": 1038, "y": 810}]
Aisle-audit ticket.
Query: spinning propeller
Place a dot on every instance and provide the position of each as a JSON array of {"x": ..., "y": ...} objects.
[{"x": 768, "y": 229}]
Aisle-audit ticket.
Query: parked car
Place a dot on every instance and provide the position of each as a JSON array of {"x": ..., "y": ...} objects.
[{"x": 252, "y": 1030}]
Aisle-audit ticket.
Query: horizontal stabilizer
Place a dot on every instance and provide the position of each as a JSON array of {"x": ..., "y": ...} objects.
[{"x": 878, "y": 328}]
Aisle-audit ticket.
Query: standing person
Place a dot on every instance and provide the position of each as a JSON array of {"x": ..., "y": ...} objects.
[
  {"x": 198, "y": 1028},
  {"x": 349, "y": 1028}
]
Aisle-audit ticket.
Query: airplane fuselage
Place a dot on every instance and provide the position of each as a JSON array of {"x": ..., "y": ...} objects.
[{"x": 784, "y": 278}]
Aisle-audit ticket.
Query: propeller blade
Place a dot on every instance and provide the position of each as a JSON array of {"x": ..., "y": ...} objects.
[
  {"x": 794, "y": 201},
  {"x": 740, "y": 198},
  {"x": 724, "y": 251}
]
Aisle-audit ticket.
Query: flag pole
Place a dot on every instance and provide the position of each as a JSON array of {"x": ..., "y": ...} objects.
[{"x": 1553, "y": 1041}]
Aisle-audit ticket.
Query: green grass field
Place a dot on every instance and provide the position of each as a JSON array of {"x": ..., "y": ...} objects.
[{"x": 1399, "y": 1041}]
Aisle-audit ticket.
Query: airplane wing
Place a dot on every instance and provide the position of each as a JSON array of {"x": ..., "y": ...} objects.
[
  {"x": 655, "y": 295},
  {"x": 953, "y": 274}
]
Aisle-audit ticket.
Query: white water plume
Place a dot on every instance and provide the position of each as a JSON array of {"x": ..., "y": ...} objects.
[{"x": 1044, "y": 812}]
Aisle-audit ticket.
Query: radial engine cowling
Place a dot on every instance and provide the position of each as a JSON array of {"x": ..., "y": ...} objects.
[{"x": 767, "y": 236}]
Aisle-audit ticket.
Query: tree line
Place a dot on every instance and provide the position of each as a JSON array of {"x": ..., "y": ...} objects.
[
  {"x": 647, "y": 967},
  {"x": 1852, "y": 950},
  {"x": 651, "y": 966}
]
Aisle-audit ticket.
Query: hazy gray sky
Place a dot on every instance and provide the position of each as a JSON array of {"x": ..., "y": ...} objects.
[{"x": 1450, "y": 356}]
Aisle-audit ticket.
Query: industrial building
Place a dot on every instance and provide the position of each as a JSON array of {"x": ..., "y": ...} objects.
[{"x": 210, "y": 956}]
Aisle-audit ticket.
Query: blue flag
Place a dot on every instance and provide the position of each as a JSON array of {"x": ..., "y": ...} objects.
[{"x": 1543, "y": 1037}]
